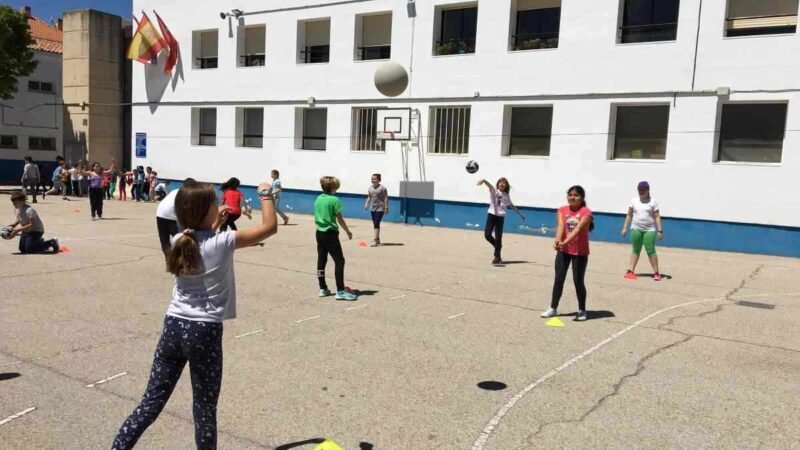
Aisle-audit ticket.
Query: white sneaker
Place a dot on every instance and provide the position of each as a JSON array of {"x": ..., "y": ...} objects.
[
  {"x": 550, "y": 312},
  {"x": 581, "y": 316}
]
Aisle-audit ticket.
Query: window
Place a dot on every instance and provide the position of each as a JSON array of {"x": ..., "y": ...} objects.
[
  {"x": 204, "y": 126},
  {"x": 364, "y": 132},
  {"x": 750, "y": 18},
  {"x": 205, "y": 49},
  {"x": 752, "y": 132},
  {"x": 457, "y": 31},
  {"x": 530, "y": 130},
  {"x": 450, "y": 130},
  {"x": 649, "y": 21},
  {"x": 8, "y": 141},
  {"x": 537, "y": 24},
  {"x": 252, "y": 44},
  {"x": 315, "y": 129},
  {"x": 641, "y": 132},
  {"x": 314, "y": 41},
  {"x": 250, "y": 127},
  {"x": 41, "y": 143},
  {"x": 40, "y": 86},
  {"x": 373, "y": 36}
]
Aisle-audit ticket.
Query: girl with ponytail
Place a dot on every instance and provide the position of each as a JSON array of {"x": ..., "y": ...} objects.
[
  {"x": 572, "y": 247},
  {"x": 203, "y": 295}
]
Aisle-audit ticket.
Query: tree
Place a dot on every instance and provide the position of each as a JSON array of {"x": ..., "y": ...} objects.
[{"x": 16, "y": 57}]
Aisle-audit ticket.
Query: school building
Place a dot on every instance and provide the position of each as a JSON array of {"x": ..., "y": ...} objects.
[{"x": 700, "y": 98}]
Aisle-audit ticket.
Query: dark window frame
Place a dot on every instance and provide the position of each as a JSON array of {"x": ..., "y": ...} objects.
[
  {"x": 37, "y": 143},
  {"x": 512, "y": 136},
  {"x": 532, "y": 41},
  {"x": 311, "y": 138},
  {"x": 654, "y": 31},
  {"x": 201, "y": 136},
  {"x": 617, "y": 140},
  {"x": 462, "y": 44},
  {"x": 316, "y": 54},
  {"x": 246, "y": 136},
  {"x": 752, "y": 120},
  {"x": 14, "y": 145}
]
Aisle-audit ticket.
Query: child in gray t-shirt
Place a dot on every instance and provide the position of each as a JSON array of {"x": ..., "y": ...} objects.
[
  {"x": 29, "y": 227},
  {"x": 277, "y": 189},
  {"x": 377, "y": 202}
]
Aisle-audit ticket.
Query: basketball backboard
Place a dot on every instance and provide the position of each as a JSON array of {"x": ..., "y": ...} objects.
[{"x": 394, "y": 124}]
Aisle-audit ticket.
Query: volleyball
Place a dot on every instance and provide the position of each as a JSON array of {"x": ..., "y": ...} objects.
[
  {"x": 391, "y": 79},
  {"x": 5, "y": 232},
  {"x": 472, "y": 166}
]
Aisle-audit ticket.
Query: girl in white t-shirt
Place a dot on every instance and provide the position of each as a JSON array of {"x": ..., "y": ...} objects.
[
  {"x": 203, "y": 295},
  {"x": 644, "y": 219},
  {"x": 499, "y": 202}
]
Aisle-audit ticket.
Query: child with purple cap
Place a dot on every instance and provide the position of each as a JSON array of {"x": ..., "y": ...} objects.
[{"x": 644, "y": 219}]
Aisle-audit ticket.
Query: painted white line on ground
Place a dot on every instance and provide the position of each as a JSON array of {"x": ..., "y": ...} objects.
[
  {"x": 305, "y": 320},
  {"x": 480, "y": 442},
  {"x": 248, "y": 334},
  {"x": 356, "y": 307},
  {"x": 399, "y": 296},
  {"x": 17, "y": 415},
  {"x": 457, "y": 315},
  {"x": 65, "y": 239},
  {"x": 106, "y": 380}
]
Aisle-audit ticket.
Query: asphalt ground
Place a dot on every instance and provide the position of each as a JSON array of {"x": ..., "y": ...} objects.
[{"x": 680, "y": 363}]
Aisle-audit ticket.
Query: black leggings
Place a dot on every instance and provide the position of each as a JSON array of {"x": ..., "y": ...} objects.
[
  {"x": 230, "y": 222},
  {"x": 328, "y": 243},
  {"x": 495, "y": 223},
  {"x": 96, "y": 201},
  {"x": 32, "y": 242},
  {"x": 166, "y": 229},
  {"x": 199, "y": 343},
  {"x": 579, "y": 264},
  {"x": 377, "y": 217}
]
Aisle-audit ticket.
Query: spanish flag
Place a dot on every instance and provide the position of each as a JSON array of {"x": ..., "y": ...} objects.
[
  {"x": 146, "y": 42},
  {"x": 172, "y": 43}
]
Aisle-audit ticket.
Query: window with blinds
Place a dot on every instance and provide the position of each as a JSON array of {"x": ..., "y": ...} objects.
[
  {"x": 363, "y": 135},
  {"x": 750, "y": 18},
  {"x": 449, "y": 130}
]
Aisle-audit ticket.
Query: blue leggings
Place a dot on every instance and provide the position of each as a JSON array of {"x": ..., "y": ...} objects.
[{"x": 199, "y": 343}]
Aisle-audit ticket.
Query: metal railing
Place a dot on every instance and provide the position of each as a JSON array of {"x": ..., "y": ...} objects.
[
  {"x": 650, "y": 32},
  {"x": 455, "y": 46},
  {"x": 532, "y": 41},
  {"x": 207, "y": 139},
  {"x": 375, "y": 52},
  {"x": 253, "y": 60},
  {"x": 316, "y": 54},
  {"x": 253, "y": 140},
  {"x": 209, "y": 62}
]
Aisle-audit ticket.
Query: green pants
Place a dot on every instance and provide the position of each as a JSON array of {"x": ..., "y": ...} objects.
[{"x": 648, "y": 238}]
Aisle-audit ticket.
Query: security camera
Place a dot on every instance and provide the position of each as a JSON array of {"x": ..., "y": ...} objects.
[{"x": 223, "y": 15}]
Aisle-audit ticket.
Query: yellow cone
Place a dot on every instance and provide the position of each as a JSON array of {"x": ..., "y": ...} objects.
[
  {"x": 328, "y": 445},
  {"x": 555, "y": 322}
]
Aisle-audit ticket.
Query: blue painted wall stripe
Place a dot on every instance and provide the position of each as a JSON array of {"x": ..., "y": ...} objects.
[{"x": 685, "y": 233}]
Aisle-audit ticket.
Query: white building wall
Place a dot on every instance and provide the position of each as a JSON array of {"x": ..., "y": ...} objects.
[
  {"x": 583, "y": 78},
  {"x": 35, "y": 113}
]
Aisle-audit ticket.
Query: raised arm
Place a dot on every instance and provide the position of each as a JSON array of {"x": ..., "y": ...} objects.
[
  {"x": 269, "y": 224},
  {"x": 488, "y": 185}
]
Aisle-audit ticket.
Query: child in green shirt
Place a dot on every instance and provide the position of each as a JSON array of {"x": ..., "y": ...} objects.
[{"x": 328, "y": 217}]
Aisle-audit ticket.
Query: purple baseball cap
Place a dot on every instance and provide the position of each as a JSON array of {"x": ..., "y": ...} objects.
[{"x": 643, "y": 185}]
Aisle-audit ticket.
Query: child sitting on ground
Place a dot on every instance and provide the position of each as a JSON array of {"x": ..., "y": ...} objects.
[{"x": 29, "y": 227}]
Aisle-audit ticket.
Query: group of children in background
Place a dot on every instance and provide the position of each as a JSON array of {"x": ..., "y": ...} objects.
[{"x": 201, "y": 259}]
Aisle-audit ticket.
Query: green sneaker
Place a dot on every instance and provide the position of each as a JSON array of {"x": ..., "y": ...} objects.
[
  {"x": 344, "y": 295},
  {"x": 324, "y": 293}
]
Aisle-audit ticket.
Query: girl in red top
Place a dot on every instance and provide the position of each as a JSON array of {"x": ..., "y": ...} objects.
[
  {"x": 232, "y": 198},
  {"x": 572, "y": 247}
]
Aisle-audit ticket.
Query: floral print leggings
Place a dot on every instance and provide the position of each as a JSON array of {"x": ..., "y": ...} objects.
[{"x": 199, "y": 343}]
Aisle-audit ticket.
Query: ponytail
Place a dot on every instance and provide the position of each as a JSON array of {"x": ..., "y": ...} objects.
[
  {"x": 192, "y": 206},
  {"x": 184, "y": 256}
]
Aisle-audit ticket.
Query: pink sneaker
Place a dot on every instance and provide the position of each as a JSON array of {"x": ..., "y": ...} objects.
[
  {"x": 630, "y": 275},
  {"x": 656, "y": 276}
]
